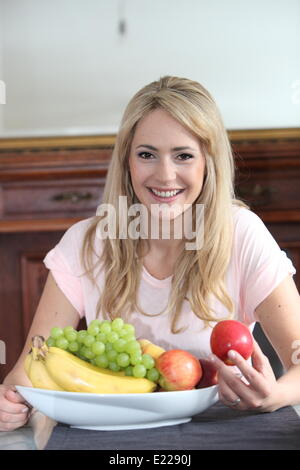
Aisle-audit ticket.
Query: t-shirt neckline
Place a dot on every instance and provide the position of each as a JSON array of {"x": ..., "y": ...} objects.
[{"x": 154, "y": 281}]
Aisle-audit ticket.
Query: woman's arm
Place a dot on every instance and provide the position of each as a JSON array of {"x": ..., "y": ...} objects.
[
  {"x": 53, "y": 309},
  {"x": 279, "y": 316}
]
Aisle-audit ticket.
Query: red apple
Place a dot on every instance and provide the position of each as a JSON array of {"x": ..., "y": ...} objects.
[
  {"x": 209, "y": 374},
  {"x": 231, "y": 334},
  {"x": 179, "y": 370}
]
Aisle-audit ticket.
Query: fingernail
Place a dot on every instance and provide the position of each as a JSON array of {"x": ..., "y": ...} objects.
[
  {"x": 231, "y": 354},
  {"x": 24, "y": 410}
]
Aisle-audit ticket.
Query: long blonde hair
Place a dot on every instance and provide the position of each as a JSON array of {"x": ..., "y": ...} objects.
[{"x": 198, "y": 274}]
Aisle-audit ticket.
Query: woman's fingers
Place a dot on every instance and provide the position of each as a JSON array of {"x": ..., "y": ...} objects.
[
  {"x": 259, "y": 361},
  {"x": 13, "y": 411},
  {"x": 232, "y": 385}
]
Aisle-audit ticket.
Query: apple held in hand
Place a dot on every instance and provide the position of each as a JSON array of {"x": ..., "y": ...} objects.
[
  {"x": 179, "y": 370},
  {"x": 231, "y": 334}
]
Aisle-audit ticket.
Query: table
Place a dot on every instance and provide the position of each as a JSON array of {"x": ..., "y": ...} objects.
[{"x": 217, "y": 428}]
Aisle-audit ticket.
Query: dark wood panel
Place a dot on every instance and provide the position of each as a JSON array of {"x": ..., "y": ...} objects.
[{"x": 20, "y": 278}]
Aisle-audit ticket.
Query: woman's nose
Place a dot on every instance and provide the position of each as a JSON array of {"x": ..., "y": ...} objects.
[{"x": 166, "y": 170}]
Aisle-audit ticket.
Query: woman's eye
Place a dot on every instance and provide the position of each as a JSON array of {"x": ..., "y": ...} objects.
[
  {"x": 145, "y": 155},
  {"x": 185, "y": 156}
]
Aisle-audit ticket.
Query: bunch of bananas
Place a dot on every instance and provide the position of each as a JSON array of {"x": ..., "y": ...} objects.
[{"x": 56, "y": 369}]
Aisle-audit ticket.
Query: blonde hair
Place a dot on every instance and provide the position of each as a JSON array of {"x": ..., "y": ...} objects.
[{"x": 198, "y": 274}]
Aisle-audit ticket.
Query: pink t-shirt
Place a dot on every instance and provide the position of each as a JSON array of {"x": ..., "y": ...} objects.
[{"x": 257, "y": 266}]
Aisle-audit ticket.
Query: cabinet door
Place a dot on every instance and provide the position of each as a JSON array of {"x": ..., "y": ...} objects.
[{"x": 22, "y": 279}]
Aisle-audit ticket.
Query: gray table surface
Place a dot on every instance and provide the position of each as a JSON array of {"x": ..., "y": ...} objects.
[{"x": 36, "y": 435}]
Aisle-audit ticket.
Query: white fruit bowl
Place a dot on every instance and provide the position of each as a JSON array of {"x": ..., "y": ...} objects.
[{"x": 108, "y": 412}]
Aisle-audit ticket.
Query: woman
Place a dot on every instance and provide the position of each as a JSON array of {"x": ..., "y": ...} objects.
[{"x": 172, "y": 152}]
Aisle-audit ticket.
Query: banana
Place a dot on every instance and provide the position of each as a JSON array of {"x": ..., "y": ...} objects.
[
  {"x": 151, "y": 348},
  {"x": 75, "y": 375},
  {"x": 36, "y": 370}
]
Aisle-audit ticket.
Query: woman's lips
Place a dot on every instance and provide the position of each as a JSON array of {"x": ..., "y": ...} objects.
[{"x": 164, "y": 199}]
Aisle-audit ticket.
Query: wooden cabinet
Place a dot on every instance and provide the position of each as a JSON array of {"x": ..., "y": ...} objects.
[{"x": 46, "y": 185}]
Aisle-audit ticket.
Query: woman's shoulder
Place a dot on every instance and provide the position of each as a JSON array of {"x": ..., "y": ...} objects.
[
  {"x": 245, "y": 220},
  {"x": 79, "y": 229},
  {"x": 74, "y": 237}
]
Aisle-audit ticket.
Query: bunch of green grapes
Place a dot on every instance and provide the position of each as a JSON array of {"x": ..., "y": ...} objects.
[{"x": 107, "y": 344}]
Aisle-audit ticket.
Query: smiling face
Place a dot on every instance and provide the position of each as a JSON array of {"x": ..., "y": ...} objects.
[{"x": 166, "y": 162}]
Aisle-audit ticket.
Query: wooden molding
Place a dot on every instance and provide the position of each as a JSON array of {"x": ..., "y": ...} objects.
[
  {"x": 107, "y": 141},
  {"x": 101, "y": 141},
  {"x": 292, "y": 133},
  {"x": 37, "y": 225}
]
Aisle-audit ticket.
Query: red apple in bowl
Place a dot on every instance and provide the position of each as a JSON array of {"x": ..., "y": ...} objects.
[
  {"x": 179, "y": 370},
  {"x": 231, "y": 334},
  {"x": 209, "y": 374}
]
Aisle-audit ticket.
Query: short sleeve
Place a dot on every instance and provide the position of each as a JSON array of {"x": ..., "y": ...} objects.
[
  {"x": 64, "y": 263},
  {"x": 261, "y": 262}
]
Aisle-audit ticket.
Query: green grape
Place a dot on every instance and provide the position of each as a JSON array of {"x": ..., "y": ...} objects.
[
  {"x": 56, "y": 332},
  {"x": 88, "y": 340},
  {"x": 119, "y": 345},
  {"x": 122, "y": 333},
  {"x": 148, "y": 361},
  {"x": 123, "y": 360},
  {"x": 129, "y": 328},
  {"x": 70, "y": 335},
  {"x": 51, "y": 342},
  {"x": 105, "y": 327},
  {"x": 81, "y": 335},
  {"x": 108, "y": 347},
  {"x": 101, "y": 337},
  {"x": 98, "y": 348},
  {"x": 112, "y": 365},
  {"x": 68, "y": 328},
  {"x": 101, "y": 361},
  {"x": 112, "y": 336},
  {"x": 153, "y": 374},
  {"x": 127, "y": 336},
  {"x": 93, "y": 329},
  {"x": 73, "y": 346},
  {"x": 62, "y": 342},
  {"x": 128, "y": 371},
  {"x": 139, "y": 371},
  {"x": 112, "y": 355},
  {"x": 88, "y": 353},
  {"x": 133, "y": 347},
  {"x": 136, "y": 358},
  {"x": 96, "y": 322},
  {"x": 117, "y": 324}
]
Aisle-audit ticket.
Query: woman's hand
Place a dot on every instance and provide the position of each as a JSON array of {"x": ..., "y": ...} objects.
[
  {"x": 247, "y": 387},
  {"x": 14, "y": 411}
]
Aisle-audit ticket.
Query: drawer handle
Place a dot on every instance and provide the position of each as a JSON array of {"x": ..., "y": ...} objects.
[{"x": 72, "y": 196}]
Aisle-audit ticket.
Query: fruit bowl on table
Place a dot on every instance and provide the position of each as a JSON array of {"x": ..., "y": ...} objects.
[{"x": 108, "y": 412}]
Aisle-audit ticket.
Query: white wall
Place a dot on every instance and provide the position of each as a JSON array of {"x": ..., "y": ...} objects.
[{"x": 69, "y": 71}]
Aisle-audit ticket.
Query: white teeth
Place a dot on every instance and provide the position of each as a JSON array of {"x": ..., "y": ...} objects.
[{"x": 165, "y": 193}]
